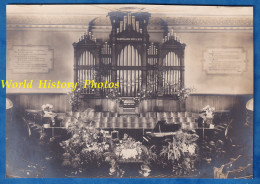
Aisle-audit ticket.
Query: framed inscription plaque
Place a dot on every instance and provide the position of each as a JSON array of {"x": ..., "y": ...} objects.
[
  {"x": 224, "y": 61},
  {"x": 31, "y": 59}
]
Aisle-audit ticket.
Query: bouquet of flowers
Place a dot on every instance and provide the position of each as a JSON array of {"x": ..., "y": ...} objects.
[
  {"x": 128, "y": 149},
  {"x": 48, "y": 115},
  {"x": 184, "y": 93},
  {"x": 207, "y": 111},
  {"x": 47, "y": 107}
]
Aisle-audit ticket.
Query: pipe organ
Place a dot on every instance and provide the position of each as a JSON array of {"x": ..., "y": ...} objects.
[
  {"x": 129, "y": 58},
  {"x": 129, "y": 71}
]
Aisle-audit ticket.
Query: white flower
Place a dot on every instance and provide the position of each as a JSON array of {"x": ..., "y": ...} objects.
[
  {"x": 47, "y": 107},
  {"x": 184, "y": 147},
  {"x": 146, "y": 174},
  {"x": 191, "y": 149},
  {"x": 129, "y": 153}
]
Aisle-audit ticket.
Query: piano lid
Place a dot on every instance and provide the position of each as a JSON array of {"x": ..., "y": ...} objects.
[{"x": 163, "y": 126}]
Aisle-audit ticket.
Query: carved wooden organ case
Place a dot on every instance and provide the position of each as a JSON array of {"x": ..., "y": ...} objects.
[{"x": 128, "y": 57}]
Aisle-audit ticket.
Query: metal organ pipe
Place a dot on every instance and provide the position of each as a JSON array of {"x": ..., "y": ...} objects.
[
  {"x": 133, "y": 22},
  {"x": 121, "y": 26},
  {"x": 129, "y": 78},
  {"x": 125, "y": 22},
  {"x": 137, "y": 26},
  {"x": 129, "y": 19},
  {"x": 171, "y": 76},
  {"x": 86, "y": 59}
]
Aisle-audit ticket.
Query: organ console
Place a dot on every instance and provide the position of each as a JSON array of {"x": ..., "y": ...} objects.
[{"x": 128, "y": 57}]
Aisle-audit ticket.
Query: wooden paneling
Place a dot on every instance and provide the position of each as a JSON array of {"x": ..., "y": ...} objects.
[
  {"x": 221, "y": 102},
  {"x": 35, "y": 101},
  {"x": 193, "y": 104}
]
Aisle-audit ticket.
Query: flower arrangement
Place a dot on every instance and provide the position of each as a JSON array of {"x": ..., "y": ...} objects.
[
  {"x": 47, "y": 107},
  {"x": 184, "y": 93},
  {"x": 86, "y": 142},
  {"x": 48, "y": 115},
  {"x": 180, "y": 154},
  {"x": 145, "y": 170},
  {"x": 73, "y": 96},
  {"x": 207, "y": 111},
  {"x": 113, "y": 94},
  {"x": 88, "y": 146},
  {"x": 124, "y": 151},
  {"x": 128, "y": 149}
]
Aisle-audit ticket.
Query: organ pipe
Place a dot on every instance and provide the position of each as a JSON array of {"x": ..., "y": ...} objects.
[
  {"x": 86, "y": 59},
  {"x": 125, "y": 22},
  {"x": 129, "y": 83},
  {"x": 133, "y": 22},
  {"x": 171, "y": 76},
  {"x": 128, "y": 64},
  {"x": 137, "y": 26}
]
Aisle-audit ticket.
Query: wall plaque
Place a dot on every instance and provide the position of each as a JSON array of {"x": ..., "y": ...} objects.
[
  {"x": 31, "y": 59},
  {"x": 224, "y": 61}
]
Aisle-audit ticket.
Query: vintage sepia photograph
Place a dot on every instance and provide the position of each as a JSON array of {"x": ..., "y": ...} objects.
[{"x": 129, "y": 91}]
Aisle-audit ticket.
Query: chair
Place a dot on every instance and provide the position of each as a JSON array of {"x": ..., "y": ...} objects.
[
  {"x": 159, "y": 115},
  {"x": 117, "y": 122},
  {"x": 120, "y": 122},
  {"x": 97, "y": 114},
  {"x": 188, "y": 114},
  {"x": 142, "y": 114},
  {"x": 113, "y": 114},
  {"x": 109, "y": 122},
  {"x": 105, "y": 114},
  {"x": 104, "y": 122},
  {"x": 181, "y": 114},
  {"x": 174, "y": 114}
]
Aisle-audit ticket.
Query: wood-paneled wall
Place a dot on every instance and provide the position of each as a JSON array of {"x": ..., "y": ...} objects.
[
  {"x": 35, "y": 101},
  {"x": 221, "y": 102},
  {"x": 193, "y": 104}
]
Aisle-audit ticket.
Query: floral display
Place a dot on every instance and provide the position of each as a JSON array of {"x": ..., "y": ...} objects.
[
  {"x": 206, "y": 117},
  {"x": 180, "y": 153},
  {"x": 208, "y": 111},
  {"x": 48, "y": 115},
  {"x": 47, "y": 107},
  {"x": 89, "y": 146},
  {"x": 128, "y": 149},
  {"x": 73, "y": 96},
  {"x": 86, "y": 143},
  {"x": 113, "y": 94},
  {"x": 184, "y": 93}
]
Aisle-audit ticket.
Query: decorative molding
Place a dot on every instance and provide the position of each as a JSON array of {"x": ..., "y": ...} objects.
[
  {"x": 107, "y": 29},
  {"x": 210, "y": 21},
  {"x": 156, "y": 24},
  {"x": 49, "y": 19}
]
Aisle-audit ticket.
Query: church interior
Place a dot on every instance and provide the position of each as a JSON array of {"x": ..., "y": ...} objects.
[{"x": 174, "y": 114}]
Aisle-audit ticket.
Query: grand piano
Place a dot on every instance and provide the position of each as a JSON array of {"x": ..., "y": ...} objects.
[{"x": 162, "y": 131}]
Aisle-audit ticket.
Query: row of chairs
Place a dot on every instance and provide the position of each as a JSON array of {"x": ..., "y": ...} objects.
[
  {"x": 168, "y": 114},
  {"x": 135, "y": 122},
  {"x": 144, "y": 119},
  {"x": 151, "y": 114},
  {"x": 102, "y": 123}
]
